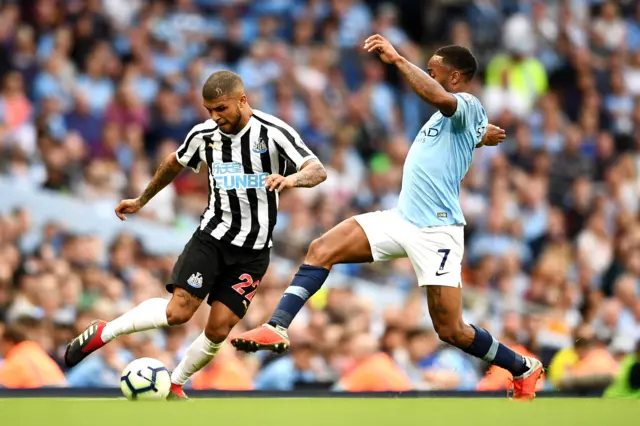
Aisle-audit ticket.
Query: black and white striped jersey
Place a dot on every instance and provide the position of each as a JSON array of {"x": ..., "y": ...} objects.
[{"x": 241, "y": 211}]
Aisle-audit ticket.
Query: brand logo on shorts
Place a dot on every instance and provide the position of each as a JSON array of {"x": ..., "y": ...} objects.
[
  {"x": 195, "y": 280},
  {"x": 260, "y": 146},
  {"x": 442, "y": 215}
]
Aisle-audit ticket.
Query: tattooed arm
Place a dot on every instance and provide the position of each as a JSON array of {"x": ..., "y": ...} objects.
[
  {"x": 166, "y": 173},
  {"x": 311, "y": 174},
  {"x": 421, "y": 82},
  {"x": 427, "y": 88}
]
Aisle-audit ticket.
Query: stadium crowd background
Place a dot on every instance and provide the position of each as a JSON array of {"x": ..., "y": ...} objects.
[{"x": 93, "y": 93}]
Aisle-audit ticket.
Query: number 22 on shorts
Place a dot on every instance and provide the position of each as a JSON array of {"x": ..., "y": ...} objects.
[{"x": 246, "y": 281}]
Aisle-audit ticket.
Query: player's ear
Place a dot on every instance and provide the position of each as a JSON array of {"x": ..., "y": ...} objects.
[
  {"x": 243, "y": 100},
  {"x": 456, "y": 76}
]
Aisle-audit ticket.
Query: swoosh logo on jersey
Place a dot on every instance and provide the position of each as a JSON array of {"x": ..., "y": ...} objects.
[{"x": 441, "y": 273}]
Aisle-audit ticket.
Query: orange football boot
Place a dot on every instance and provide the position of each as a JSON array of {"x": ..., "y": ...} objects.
[
  {"x": 266, "y": 337},
  {"x": 524, "y": 386}
]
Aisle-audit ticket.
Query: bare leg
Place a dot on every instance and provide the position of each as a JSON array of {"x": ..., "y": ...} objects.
[
  {"x": 445, "y": 309},
  {"x": 204, "y": 348},
  {"x": 344, "y": 243}
]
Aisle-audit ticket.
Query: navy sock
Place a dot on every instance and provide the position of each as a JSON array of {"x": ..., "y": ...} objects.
[
  {"x": 485, "y": 347},
  {"x": 305, "y": 284}
]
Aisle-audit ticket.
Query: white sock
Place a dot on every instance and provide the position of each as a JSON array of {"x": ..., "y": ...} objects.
[
  {"x": 198, "y": 355},
  {"x": 148, "y": 315}
]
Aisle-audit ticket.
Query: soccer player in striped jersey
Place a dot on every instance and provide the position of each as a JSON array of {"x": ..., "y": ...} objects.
[
  {"x": 427, "y": 226},
  {"x": 246, "y": 152}
]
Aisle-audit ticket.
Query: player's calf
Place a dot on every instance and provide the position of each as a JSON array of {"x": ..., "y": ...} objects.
[
  {"x": 308, "y": 280},
  {"x": 445, "y": 309},
  {"x": 217, "y": 333},
  {"x": 478, "y": 342},
  {"x": 273, "y": 335},
  {"x": 196, "y": 357},
  {"x": 345, "y": 243},
  {"x": 456, "y": 334},
  {"x": 221, "y": 321}
]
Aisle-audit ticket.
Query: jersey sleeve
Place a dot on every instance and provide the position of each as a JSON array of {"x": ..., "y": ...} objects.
[
  {"x": 291, "y": 147},
  {"x": 469, "y": 112},
  {"x": 188, "y": 154}
]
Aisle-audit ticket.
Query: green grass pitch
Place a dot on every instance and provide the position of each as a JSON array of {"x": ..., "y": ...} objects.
[{"x": 319, "y": 412}]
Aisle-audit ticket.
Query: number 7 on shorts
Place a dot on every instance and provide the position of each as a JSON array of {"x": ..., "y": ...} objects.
[{"x": 444, "y": 257}]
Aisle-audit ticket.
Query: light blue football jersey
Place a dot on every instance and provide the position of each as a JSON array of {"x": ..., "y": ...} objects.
[{"x": 438, "y": 161}]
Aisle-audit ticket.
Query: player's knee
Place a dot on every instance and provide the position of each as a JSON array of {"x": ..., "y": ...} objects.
[
  {"x": 177, "y": 313},
  {"x": 451, "y": 333},
  {"x": 320, "y": 253},
  {"x": 217, "y": 333},
  {"x": 181, "y": 307},
  {"x": 177, "y": 316}
]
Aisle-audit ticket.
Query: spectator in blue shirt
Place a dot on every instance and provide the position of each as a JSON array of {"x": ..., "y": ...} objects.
[
  {"x": 496, "y": 242},
  {"x": 285, "y": 372},
  {"x": 633, "y": 31},
  {"x": 101, "y": 370},
  {"x": 94, "y": 85}
]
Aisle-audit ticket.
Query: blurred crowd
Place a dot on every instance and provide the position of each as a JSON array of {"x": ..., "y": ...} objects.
[{"x": 93, "y": 93}]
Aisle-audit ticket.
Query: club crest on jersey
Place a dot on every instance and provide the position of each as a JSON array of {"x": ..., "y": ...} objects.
[
  {"x": 260, "y": 146},
  {"x": 195, "y": 280}
]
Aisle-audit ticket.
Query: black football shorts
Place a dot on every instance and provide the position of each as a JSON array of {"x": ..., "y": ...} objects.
[{"x": 219, "y": 270}]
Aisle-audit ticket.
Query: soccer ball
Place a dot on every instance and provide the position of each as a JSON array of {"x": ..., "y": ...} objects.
[{"x": 145, "y": 379}]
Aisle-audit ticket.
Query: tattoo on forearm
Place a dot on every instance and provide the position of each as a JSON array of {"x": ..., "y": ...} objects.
[
  {"x": 166, "y": 173},
  {"x": 310, "y": 176}
]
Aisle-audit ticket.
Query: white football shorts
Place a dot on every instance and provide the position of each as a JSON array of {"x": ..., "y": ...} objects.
[{"x": 435, "y": 252}]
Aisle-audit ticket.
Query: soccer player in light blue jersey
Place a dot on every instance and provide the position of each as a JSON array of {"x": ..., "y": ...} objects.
[{"x": 427, "y": 225}]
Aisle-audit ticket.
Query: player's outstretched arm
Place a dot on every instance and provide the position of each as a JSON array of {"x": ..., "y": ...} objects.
[
  {"x": 311, "y": 173},
  {"x": 493, "y": 136},
  {"x": 421, "y": 82},
  {"x": 166, "y": 173}
]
